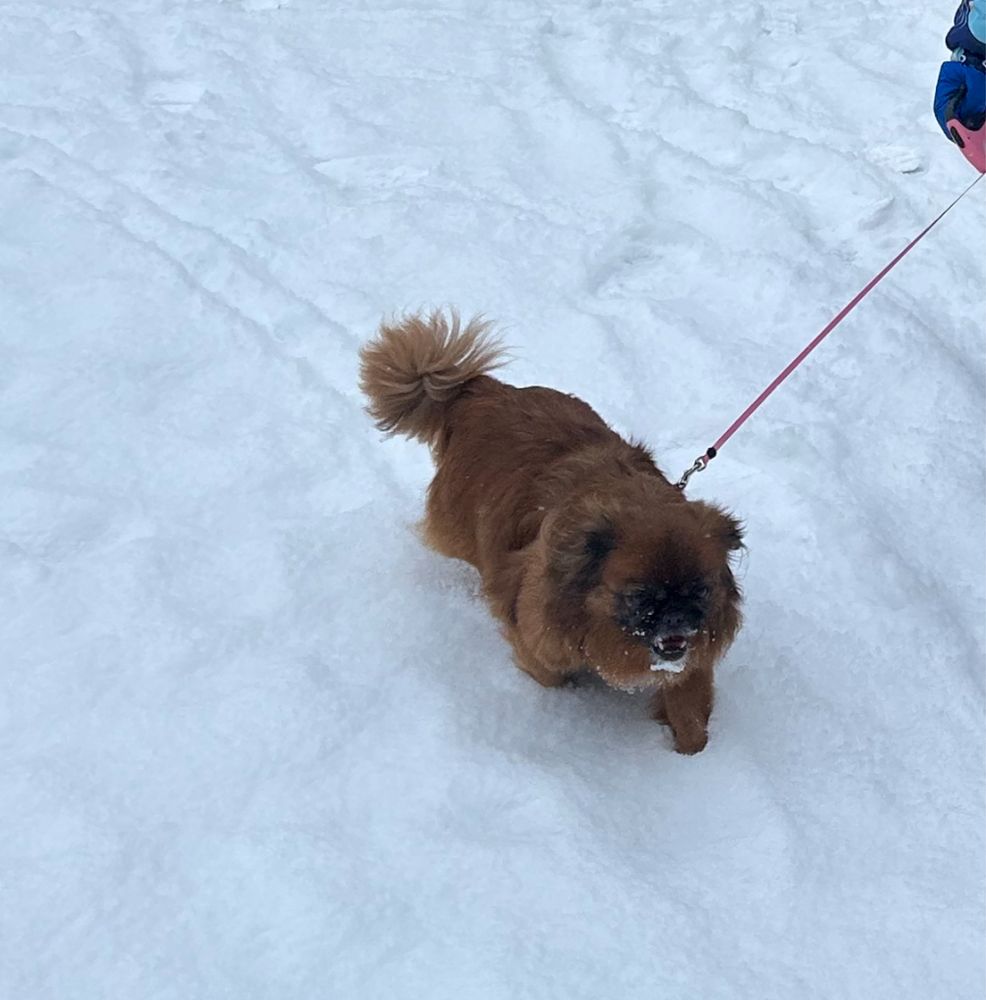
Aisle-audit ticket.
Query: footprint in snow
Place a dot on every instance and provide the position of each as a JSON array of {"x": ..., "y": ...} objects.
[
  {"x": 174, "y": 92},
  {"x": 897, "y": 158},
  {"x": 378, "y": 171}
]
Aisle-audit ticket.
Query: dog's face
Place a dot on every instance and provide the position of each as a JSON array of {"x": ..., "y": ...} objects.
[
  {"x": 665, "y": 614},
  {"x": 644, "y": 587}
]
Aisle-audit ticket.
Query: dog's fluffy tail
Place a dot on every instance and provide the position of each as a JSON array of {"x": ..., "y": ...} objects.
[{"x": 417, "y": 365}]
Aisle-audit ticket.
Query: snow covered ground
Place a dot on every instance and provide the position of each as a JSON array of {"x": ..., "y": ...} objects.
[{"x": 257, "y": 742}]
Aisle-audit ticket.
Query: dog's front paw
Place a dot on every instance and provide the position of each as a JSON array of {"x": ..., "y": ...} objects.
[{"x": 690, "y": 740}]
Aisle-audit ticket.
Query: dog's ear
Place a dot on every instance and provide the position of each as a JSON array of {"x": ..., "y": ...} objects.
[
  {"x": 599, "y": 541},
  {"x": 579, "y": 550},
  {"x": 721, "y": 525}
]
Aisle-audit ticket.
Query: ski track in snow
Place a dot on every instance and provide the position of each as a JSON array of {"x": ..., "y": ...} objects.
[{"x": 255, "y": 741}]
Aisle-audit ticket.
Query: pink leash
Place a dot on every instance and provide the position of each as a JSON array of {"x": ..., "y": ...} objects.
[{"x": 703, "y": 460}]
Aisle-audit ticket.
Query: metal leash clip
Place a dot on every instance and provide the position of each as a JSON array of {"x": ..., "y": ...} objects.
[{"x": 700, "y": 463}]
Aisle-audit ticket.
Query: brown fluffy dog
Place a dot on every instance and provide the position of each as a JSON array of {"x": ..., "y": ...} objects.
[{"x": 588, "y": 555}]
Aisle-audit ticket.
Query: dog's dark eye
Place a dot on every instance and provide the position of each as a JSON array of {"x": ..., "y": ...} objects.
[
  {"x": 641, "y": 598},
  {"x": 636, "y": 608}
]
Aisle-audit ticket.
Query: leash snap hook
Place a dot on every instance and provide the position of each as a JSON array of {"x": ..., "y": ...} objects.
[{"x": 700, "y": 463}]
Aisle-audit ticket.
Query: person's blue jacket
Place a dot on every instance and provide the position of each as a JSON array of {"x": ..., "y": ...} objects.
[
  {"x": 961, "y": 93},
  {"x": 968, "y": 33}
]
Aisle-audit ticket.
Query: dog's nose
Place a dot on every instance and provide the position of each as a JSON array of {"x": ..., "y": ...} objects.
[{"x": 674, "y": 623}]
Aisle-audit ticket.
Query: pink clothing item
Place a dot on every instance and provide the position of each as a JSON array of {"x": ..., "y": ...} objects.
[{"x": 972, "y": 144}]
